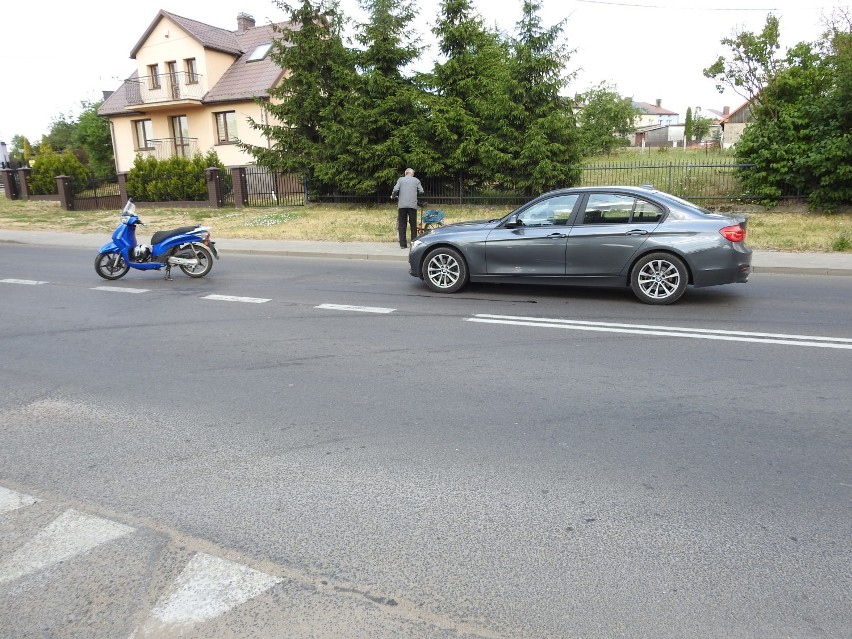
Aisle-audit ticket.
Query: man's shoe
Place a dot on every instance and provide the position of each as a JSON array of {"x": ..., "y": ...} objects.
[{"x": 403, "y": 246}]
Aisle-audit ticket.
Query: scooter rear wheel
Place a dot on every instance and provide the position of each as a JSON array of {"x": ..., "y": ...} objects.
[
  {"x": 205, "y": 262},
  {"x": 111, "y": 266}
]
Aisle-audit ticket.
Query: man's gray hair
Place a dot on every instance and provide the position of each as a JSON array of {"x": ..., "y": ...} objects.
[{"x": 409, "y": 171}]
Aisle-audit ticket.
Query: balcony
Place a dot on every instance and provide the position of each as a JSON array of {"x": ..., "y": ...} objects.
[
  {"x": 170, "y": 147},
  {"x": 165, "y": 89}
]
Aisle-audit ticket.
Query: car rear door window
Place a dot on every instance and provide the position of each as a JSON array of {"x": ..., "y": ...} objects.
[{"x": 617, "y": 208}]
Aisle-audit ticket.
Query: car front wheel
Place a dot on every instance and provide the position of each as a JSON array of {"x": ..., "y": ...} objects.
[
  {"x": 444, "y": 270},
  {"x": 659, "y": 278}
]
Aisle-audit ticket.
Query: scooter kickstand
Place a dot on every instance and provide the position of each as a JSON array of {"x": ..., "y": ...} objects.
[{"x": 168, "y": 277}]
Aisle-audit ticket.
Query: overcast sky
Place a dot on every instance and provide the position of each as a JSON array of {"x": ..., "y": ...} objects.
[{"x": 53, "y": 57}]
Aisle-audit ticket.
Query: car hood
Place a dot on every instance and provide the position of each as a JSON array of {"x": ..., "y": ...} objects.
[{"x": 465, "y": 226}]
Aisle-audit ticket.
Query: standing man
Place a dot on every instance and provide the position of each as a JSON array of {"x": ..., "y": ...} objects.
[{"x": 407, "y": 188}]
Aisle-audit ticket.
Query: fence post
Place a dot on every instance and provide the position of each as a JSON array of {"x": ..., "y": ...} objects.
[
  {"x": 24, "y": 182},
  {"x": 238, "y": 178},
  {"x": 214, "y": 187},
  {"x": 66, "y": 194},
  {"x": 461, "y": 193},
  {"x": 122, "y": 188},
  {"x": 669, "y": 179},
  {"x": 10, "y": 186},
  {"x": 305, "y": 185}
]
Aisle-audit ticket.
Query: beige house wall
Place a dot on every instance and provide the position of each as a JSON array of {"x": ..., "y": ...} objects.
[
  {"x": 732, "y": 133},
  {"x": 202, "y": 126}
]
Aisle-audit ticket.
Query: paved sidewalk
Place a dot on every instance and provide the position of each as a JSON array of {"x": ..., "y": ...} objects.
[{"x": 762, "y": 261}]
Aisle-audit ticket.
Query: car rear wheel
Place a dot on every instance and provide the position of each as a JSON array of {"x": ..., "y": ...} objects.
[
  {"x": 444, "y": 270},
  {"x": 659, "y": 278}
]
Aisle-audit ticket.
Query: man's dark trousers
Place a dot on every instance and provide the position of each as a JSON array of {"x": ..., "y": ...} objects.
[{"x": 406, "y": 217}]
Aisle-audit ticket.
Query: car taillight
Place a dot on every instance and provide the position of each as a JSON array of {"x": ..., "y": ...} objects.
[{"x": 734, "y": 233}]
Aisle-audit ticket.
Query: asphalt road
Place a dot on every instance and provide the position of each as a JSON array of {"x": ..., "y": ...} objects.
[{"x": 328, "y": 449}]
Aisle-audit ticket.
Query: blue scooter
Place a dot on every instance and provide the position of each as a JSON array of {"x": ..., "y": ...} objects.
[{"x": 188, "y": 247}]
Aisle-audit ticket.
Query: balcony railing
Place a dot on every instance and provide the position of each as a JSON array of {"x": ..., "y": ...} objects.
[
  {"x": 164, "y": 87},
  {"x": 170, "y": 147}
]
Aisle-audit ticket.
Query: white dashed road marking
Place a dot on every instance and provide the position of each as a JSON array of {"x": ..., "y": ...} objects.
[
  {"x": 208, "y": 587},
  {"x": 70, "y": 534},
  {"x": 11, "y": 500},
  {"x": 360, "y": 309},
  {"x": 234, "y": 298},
  {"x": 665, "y": 331},
  {"x": 31, "y": 282},
  {"x": 119, "y": 289}
]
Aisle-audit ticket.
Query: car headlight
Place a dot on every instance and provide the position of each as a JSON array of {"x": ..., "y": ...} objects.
[{"x": 416, "y": 244}]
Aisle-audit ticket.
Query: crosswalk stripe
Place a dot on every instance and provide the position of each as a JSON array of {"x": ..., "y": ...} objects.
[
  {"x": 360, "y": 309},
  {"x": 208, "y": 587},
  {"x": 11, "y": 500},
  {"x": 234, "y": 298},
  {"x": 71, "y": 534},
  {"x": 31, "y": 282},
  {"x": 120, "y": 289}
]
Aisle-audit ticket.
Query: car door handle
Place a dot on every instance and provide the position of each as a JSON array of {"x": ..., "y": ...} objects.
[
  {"x": 637, "y": 232},
  {"x": 557, "y": 235}
]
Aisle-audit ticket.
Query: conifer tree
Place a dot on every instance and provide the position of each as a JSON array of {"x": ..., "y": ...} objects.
[
  {"x": 319, "y": 75},
  {"x": 385, "y": 127},
  {"x": 545, "y": 145},
  {"x": 472, "y": 84}
]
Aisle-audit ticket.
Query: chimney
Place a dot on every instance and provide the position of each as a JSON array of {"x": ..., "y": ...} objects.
[
  {"x": 659, "y": 102},
  {"x": 726, "y": 111},
  {"x": 244, "y": 22}
]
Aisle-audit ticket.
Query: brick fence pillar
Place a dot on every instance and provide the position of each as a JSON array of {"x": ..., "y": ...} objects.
[
  {"x": 66, "y": 193},
  {"x": 10, "y": 186},
  {"x": 214, "y": 187},
  {"x": 122, "y": 188},
  {"x": 238, "y": 176},
  {"x": 24, "y": 182}
]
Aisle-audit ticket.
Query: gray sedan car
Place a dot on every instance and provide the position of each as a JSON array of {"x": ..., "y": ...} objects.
[{"x": 619, "y": 236}]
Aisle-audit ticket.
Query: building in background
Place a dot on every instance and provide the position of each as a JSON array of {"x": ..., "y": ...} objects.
[{"x": 194, "y": 89}]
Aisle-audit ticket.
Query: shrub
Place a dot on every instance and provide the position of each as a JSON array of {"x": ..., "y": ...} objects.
[
  {"x": 49, "y": 164},
  {"x": 176, "y": 179}
]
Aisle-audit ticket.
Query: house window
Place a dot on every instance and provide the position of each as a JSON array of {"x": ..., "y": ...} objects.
[
  {"x": 144, "y": 134},
  {"x": 174, "y": 85},
  {"x": 226, "y": 127},
  {"x": 191, "y": 71},
  {"x": 180, "y": 129},
  {"x": 154, "y": 76},
  {"x": 259, "y": 52}
]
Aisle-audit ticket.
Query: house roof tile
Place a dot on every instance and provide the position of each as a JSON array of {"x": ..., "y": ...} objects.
[{"x": 652, "y": 109}]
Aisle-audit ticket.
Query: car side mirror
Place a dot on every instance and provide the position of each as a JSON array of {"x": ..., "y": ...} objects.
[{"x": 513, "y": 223}]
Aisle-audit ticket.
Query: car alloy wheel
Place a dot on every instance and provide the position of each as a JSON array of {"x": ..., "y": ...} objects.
[
  {"x": 445, "y": 270},
  {"x": 659, "y": 278}
]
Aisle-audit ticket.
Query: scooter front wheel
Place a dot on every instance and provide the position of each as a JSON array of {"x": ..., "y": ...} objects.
[
  {"x": 111, "y": 266},
  {"x": 205, "y": 262}
]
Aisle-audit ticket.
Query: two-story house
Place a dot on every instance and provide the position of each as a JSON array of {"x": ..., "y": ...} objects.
[
  {"x": 652, "y": 115},
  {"x": 194, "y": 89}
]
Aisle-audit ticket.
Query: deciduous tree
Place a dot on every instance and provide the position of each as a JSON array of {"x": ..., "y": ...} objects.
[{"x": 606, "y": 119}]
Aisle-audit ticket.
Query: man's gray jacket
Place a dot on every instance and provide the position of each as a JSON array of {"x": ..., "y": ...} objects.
[{"x": 407, "y": 187}]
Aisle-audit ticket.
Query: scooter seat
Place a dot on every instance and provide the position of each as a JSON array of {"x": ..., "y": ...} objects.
[{"x": 159, "y": 236}]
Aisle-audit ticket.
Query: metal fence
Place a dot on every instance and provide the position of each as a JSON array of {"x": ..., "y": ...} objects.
[
  {"x": 712, "y": 181},
  {"x": 698, "y": 182},
  {"x": 101, "y": 195},
  {"x": 268, "y": 187}
]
